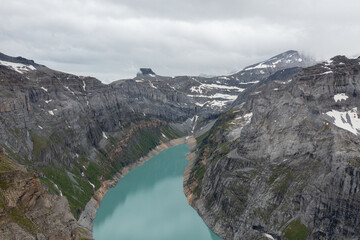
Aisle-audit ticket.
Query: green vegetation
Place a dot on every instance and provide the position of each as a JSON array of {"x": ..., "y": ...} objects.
[
  {"x": 225, "y": 119},
  {"x": 202, "y": 139},
  {"x": 296, "y": 231},
  {"x": 93, "y": 171},
  {"x": 6, "y": 165},
  {"x": 197, "y": 190},
  {"x": 49, "y": 185},
  {"x": 199, "y": 174},
  {"x": 18, "y": 217},
  {"x": 39, "y": 144},
  {"x": 113, "y": 141},
  {"x": 78, "y": 194},
  {"x": 82, "y": 230},
  {"x": 145, "y": 140},
  {"x": 283, "y": 184},
  {"x": 170, "y": 132},
  {"x": 70, "y": 179},
  {"x": 224, "y": 148},
  {"x": 141, "y": 143},
  {"x": 2, "y": 205}
]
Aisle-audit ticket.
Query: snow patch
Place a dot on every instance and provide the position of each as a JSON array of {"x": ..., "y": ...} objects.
[
  {"x": 48, "y": 101},
  {"x": 67, "y": 88},
  {"x": 240, "y": 122},
  {"x": 253, "y": 82},
  {"x": 139, "y": 80},
  {"x": 51, "y": 112},
  {"x": 216, "y": 96},
  {"x": 194, "y": 120},
  {"x": 199, "y": 89},
  {"x": 340, "y": 96},
  {"x": 324, "y": 73},
  {"x": 200, "y": 104},
  {"x": 104, "y": 135},
  {"x": 18, "y": 67},
  {"x": 348, "y": 120},
  {"x": 56, "y": 186},
  {"x": 216, "y": 103},
  {"x": 152, "y": 85},
  {"x": 45, "y": 89},
  {"x": 268, "y": 236},
  {"x": 91, "y": 184},
  {"x": 40, "y": 127},
  {"x": 84, "y": 85},
  {"x": 171, "y": 87},
  {"x": 247, "y": 117},
  {"x": 263, "y": 66}
]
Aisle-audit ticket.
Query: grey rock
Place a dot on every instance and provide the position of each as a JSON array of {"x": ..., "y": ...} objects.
[{"x": 291, "y": 165}]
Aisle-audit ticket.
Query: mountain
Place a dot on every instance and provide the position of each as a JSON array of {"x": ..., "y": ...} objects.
[
  {"x": 263, "y": 70},
  {"x": 74, "y": 135},
  {"x": 283, "y": 162}
]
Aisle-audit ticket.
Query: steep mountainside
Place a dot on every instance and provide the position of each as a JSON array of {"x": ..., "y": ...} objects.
[
  {"x": 76, "y": 132},
  {"x": 284, "y": 162},
  {"x": 27, "y": 211}
]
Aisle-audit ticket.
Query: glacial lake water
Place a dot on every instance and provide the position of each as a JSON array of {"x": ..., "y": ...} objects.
[{"x": 149, "y": 203}]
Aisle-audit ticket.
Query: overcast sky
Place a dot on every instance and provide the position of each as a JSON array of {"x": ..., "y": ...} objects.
[{"x": 111, "y": 39}]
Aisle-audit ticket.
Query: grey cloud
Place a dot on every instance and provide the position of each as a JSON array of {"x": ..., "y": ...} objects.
[{"x": 111, "y": 39}]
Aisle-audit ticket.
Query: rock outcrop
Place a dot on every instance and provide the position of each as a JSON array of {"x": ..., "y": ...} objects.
[{"x": 27, "y": 211}]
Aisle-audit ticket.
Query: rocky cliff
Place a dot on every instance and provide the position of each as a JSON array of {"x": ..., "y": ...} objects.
[
  {"x": 284, "y": 162},
  {"x": 29, "y": 212},
  {"x": 74, "y": 133}
]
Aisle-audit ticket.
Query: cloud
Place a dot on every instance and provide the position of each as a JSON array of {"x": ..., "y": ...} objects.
[{"x": 111, "y": 39}]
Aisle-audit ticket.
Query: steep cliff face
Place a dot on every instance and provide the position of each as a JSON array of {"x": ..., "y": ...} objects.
[
  {"x": 284, "y": 162},
  {"x": 77, "y": 133}
]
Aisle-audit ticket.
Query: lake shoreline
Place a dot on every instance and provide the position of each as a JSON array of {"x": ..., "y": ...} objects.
[{"x": 88, "y": 215}]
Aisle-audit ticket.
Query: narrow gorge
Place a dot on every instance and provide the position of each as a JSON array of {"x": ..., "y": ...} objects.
[{"x": 274, "y": 146}]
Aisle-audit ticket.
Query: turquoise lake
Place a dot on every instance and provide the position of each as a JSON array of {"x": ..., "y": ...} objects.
[{"x": 149, "y": 203}]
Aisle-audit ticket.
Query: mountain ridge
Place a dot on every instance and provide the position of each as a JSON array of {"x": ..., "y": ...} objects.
[
  {"x": 283, "y": 163},
  {"x": 77, "y": 132}
]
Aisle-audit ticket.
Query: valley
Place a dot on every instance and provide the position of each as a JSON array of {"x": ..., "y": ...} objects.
[{"x": 276, "y": 151}]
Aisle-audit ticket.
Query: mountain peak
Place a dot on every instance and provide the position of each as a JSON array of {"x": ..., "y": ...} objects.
[
  {"x": 290, "y": 57},
  {"x": 146, "y": 71},
  {"x": 21, "y": 60}
]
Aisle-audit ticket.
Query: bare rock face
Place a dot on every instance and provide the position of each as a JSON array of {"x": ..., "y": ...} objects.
[
  {"x": 283, "y": 163},
  {"x": 27, "y": 211}
]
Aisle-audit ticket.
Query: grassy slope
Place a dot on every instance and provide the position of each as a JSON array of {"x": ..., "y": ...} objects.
[{"x": 74, "y": 180}]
